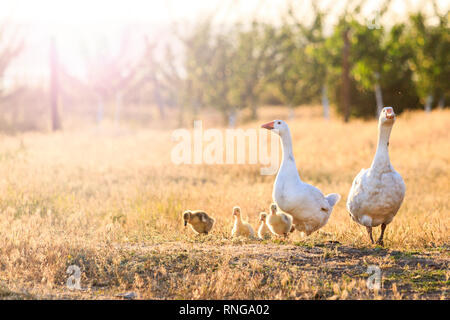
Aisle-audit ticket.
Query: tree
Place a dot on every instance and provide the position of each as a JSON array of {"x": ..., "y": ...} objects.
[
  {"x": 431, "y": 47},
  {"x": 379, "y": 60},
  {"x": 251, "y": 65},
  {"x": 287, "y": 74},
  {"x": 54, "y": 86},
  {"x": 109, "y": 75},
  {"x": 315, "y": 64},
  {"x": 10, "y": 49},
  {"x": 149, "y": 78}
]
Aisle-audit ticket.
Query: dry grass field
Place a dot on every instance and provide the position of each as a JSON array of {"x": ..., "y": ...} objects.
[{"x": 111, "y": 203}]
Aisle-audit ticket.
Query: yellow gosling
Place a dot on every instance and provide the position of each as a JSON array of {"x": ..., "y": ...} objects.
[
  {"x": 278, "y": 222},
  {"x": 263, "y": 230},
  {"x": 241, "y": 228}
]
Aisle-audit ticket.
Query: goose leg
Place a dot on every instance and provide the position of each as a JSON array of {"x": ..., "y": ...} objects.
[
  {"x": 380, "y": 240},
  {"x": 369, "y": 231}
]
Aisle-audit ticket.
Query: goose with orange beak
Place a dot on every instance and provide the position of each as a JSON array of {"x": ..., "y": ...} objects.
[
  {"x": 268, "y": 125},
  {"x": 377, "y": 193},
  {"x": 307, "y": 205}
]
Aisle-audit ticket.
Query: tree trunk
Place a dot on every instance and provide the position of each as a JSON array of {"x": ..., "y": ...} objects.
[
  {"x": 54, "y": 86},
  {"x": 232, "y": 119},
  {"x": 196, "y": 107},
  {"x": 180, "y": 114},
  {"x": 254, "y": 109},
  {"x": 162, "y": 111},
  {"x": 118, "y": 109},
  {"x": 159, "y": 101},
  {"x": 325, "y": 103},
  {"x": 345, "y": 90},
  {"x": 378, "y": 98},
  {"x": 441, "y": 103},
  {"x": 100, "y": 108},
  {"x": 291, "y": 112},
  {"x": 428, "y": 103}
]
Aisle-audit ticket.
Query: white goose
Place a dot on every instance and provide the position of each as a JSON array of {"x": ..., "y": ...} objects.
[
  {"x": 307, "y": 205},
  {"x": 377, "y": 193}
]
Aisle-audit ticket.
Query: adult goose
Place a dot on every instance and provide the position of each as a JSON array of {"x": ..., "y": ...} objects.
[
  {"x": 307, "y": 205},
  {"x": 377, "y": 193}
]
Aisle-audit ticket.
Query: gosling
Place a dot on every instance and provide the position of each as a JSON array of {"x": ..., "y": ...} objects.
[
  {"x": 263, "y": 230},
  {"x": 278, "y": 222},
  {"x": 199, "y": 221},
  {"x": 241, "y": 228}
]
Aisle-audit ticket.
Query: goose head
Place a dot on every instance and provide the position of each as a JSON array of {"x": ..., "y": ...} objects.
[
  {"x": 186, "y": 217},
  {"x": 262, "y": 217},
  {"x": 237, "y": 212},
  {"x": 273, "y": 208},
  {"x": 278, "y": 126},
  {"x": 387, "y": 116}
]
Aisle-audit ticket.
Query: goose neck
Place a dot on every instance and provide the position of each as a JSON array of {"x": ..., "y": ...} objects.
[
  {"x": 381, "y": 160},
  {"x": 286, "y": 144},
  {"x": 288, "y": 162}
]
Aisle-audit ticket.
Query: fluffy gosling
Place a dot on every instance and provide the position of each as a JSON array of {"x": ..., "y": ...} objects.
[
  {"x": 241, "y": 228},
  {"x": 199, "y": 221},
  {"x": 263, "y": 230},
  {"x": 278, "y": 222}
]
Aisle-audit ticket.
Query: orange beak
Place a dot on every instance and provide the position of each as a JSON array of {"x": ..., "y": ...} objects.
[
  {"x": 268, "y": 125},
  {"x": 390, "y": 114}
]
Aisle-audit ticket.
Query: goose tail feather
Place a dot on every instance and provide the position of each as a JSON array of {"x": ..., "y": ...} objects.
[{"x": 333, "y": 198}]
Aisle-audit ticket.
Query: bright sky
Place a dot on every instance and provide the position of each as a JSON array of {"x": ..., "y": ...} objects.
[
  {"x": 88, "y": 22},
  {"x": 54, "y": 12}
]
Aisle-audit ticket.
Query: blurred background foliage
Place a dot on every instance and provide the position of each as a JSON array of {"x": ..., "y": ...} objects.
[{"x": 235, "y": 68}]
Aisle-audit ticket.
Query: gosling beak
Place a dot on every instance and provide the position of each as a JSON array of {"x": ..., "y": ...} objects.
[
  {"x": 185, "y": 223},
  {"x": 390, "y": 114},
  {"x": 268, "y": 125}
]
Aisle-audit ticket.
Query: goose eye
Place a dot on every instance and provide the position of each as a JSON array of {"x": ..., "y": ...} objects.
[{"x": 279, "y": 122}]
